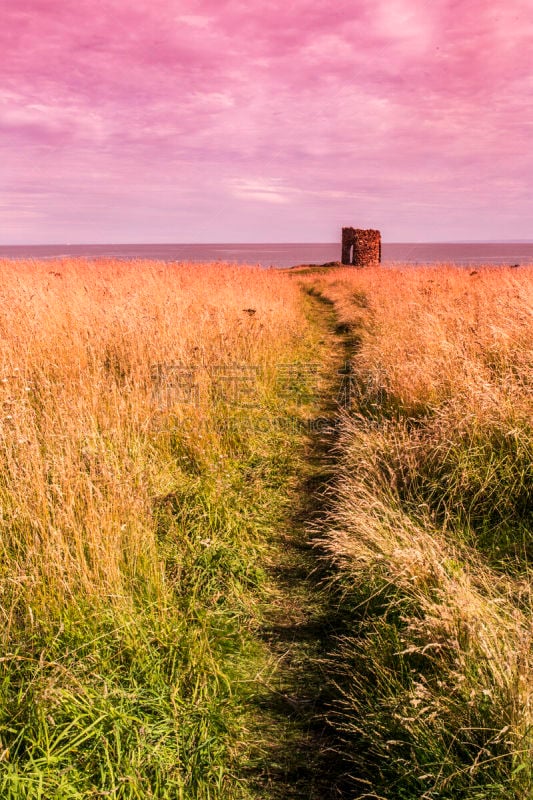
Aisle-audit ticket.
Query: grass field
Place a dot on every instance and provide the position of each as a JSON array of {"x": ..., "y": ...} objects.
[
  {"x": 141, "y": 472},
  {"x": 153, "y": 449}
]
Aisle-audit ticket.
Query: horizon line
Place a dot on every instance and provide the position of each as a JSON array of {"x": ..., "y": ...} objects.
[{"x": 208, "y": 244}]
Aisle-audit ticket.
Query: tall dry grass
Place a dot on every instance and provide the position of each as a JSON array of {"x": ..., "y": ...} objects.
[
  {"x": 431, "y": 531},
  {"x": 81, "y": 453},
  {"x": 128, "y": 518}
]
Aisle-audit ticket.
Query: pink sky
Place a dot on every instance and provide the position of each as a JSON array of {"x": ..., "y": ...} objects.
[{"x": 279, "y": 120}]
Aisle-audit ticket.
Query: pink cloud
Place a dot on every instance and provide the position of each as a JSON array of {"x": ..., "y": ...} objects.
[{"x": 183, "y": 120}]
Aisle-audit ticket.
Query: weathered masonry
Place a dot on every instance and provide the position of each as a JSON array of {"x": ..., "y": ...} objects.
[{"x": 361, "y": 248}]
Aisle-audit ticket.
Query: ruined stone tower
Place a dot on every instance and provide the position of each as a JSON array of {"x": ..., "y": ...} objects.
[{"x": 361, "y": 248}]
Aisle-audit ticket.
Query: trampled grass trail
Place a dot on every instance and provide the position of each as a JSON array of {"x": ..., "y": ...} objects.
[{"x": 297, "y": 754}]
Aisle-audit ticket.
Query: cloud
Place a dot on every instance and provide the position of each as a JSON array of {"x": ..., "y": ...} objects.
[
  {"x": 194, "y": 20},
  {"x": 267, "y": 191},
  {"x": 152, "y": 118}
]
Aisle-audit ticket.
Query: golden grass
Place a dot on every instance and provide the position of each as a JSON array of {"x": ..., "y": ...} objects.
[
  {"x": 81, "y": 457},
  {"x": 134, "y": 498},
  {"x": 440, "y": 331},
  {"x": 431, "y": 533}
]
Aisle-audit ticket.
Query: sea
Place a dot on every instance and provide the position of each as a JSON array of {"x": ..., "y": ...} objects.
[{"x": 286, "y": 255}]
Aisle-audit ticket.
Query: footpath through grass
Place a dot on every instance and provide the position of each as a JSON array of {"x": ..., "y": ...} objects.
[{"x": 296, "y": 752}]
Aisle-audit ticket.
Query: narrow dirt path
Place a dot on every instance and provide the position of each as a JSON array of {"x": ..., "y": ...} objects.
[{"x": 300, "y": 756}]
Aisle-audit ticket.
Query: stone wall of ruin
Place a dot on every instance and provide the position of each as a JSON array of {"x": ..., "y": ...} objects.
[{"x": 361, "y": 248}]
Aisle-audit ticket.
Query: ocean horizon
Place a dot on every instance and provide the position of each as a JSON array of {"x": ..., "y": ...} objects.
[{"x": 285, "y": 254}]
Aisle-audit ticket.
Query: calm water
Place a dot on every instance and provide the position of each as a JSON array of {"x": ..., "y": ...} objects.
[{"x": 285, "y": 255}]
